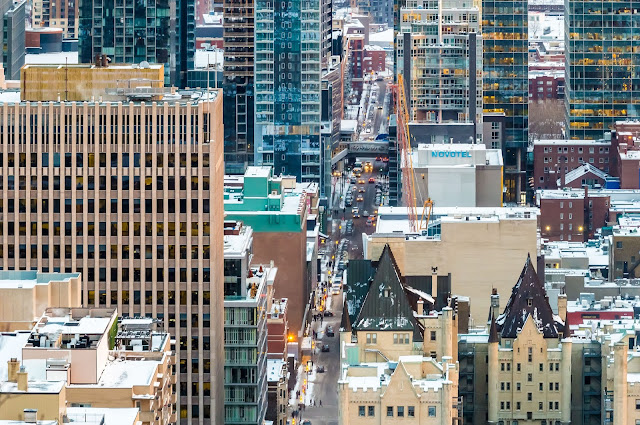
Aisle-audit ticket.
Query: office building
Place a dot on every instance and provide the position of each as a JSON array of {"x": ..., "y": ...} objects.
[
  {"x": 506, "y": 85},
  {"x": 239, "y": 23},
  {"x": 440, "y": 57},
  {"x": 25, "y": 294},
  {"x": 600, "y": 78},
  {"x": 278, "y": 392},
  {"x": 288, "y": 76},
  {"x": 458, "y": 175},
  {"x": 280, "y": 212},
  {"x": 141, "y": 220},
  {"x": 245, "y": 328},
  {"x": 13, "y": 39},
  {"x": 83, "y": 357},
  {"x": 128, "y": 32},
  {"x": 479, "y": 247},
  {"x": 45, "y": 14}
]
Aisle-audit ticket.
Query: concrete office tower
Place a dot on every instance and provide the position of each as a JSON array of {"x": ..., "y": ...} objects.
[
  {"x": 238, "y": 84},
  {"x": 601, "y": 82},
  {"x": 506, "y": 85},
  {"x": 127, "y": 31},
  {"x": 13, "y": 40},
  {"x": 130, "y": 194},
  {"x": 440, "y": 56},
  {"x": 288, "y": 87}
]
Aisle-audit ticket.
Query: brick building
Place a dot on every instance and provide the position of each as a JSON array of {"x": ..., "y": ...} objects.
[
  {"x": 571, "y": 214},
  {"x": 546, "y": 85},
  {"x": 374, "y": 59}
]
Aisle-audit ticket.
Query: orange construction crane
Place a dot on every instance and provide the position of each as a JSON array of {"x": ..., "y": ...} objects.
[{"x": 408, "y": 174}]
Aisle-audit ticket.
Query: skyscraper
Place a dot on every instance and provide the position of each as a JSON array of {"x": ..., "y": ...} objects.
[
  {"x": 129, "y": 31},
  {"x": 506, "y": 84},
  {"x": 602, "y": 80},
  {"x": 238, "y": 84},
  {"x": 128, "y": 193},
  {"x": 13, "y": 50},
  {"x": 288, "y": 87},
  {"x": 440, "y": 57}
]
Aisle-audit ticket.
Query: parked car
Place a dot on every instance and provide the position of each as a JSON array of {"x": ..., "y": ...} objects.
[
  {"x": 319, "y": 369},
  {"x": 328, "y": 313},
  {"x": 325, "y": 349},
  {"x": 348, "y": 202}
]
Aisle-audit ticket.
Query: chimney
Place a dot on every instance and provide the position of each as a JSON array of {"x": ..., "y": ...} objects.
[
  {"x": 495, "y": 303},
  {"x": 30, "y": 416},
  {"x": 420, "y": 308},
  {"x": 13, "y": 366},
  {"x": 434, "y": 285},
  {"x": 105, "y": 61},
  {"x": 98, "y": 62},
  {"x": 23, "y": 379},
  {"x": 562, "y": 307}
]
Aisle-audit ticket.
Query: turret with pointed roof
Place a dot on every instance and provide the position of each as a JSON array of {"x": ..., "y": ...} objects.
[{"x": 528, "y": 299}]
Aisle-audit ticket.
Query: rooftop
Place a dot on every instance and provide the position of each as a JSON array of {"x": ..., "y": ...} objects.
[
  {"x": 128, "y": 373},
  {"x": 11, "y": 344},
  {"x": 102, "y": 416},
  {"x": 238, "y": 245},
  {"x": 30, "y": 278},
  {"x": 275, "y": 369}
]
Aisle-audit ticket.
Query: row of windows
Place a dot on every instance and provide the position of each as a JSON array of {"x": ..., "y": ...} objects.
[
  {"x": 401, "y": 338},
  {"x": 137, "y": 274},
  {"x": 183, "y": 299},
  {"x": 102, "y": 160},
  {"x": 506, "y": 366},
  {"x": 565, "y": 149},
  {"x": 580, "y": 160},
  {"x": 400, "y": 411},
  {"x": 126, "y": 228},
  {"x": 506, "y": 405},
  {"x": 69, "y": 183},
  {"x": 135, "y": 207},
  {"x": 174, "y": 252}
]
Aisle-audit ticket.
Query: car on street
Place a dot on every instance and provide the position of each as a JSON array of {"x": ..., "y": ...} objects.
[
  {"x": 325, "y": 349},
  {"x": 328, "y": 313},
  {"x": 385, "y": 159},
  {"x": 353, "y": 180},
  {"x": 319, "y": 369},
  {"x": 355, "y": 212},
  {"x": 306, "y": 422},
  {"x": 361, "y": 181},
  {"x": 359, "y": 198},
  {"x": 358, "y": 174},
  {"x": 329, "y": 332},
  {"x": 335, "y": 290},
  {"x": 379, "y": 106},
  {"x": 365, "y": 213},
  {"x": 372, "y": 180},
  {"x": 369, "y": 221},
  {"x": 361, "y": 189},
  {"x": 348, "y": 202}
]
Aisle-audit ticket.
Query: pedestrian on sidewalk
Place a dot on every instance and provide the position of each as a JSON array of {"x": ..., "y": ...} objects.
[{"x": 320, "y": 403}]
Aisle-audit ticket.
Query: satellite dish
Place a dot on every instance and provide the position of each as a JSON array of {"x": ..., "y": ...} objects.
[{"x": 144, "y": 65}]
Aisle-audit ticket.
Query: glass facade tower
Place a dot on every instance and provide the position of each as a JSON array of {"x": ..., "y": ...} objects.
[
  {"x": 506, "y": 84},
  {"x": 132, "y": 31},
  {"x": 603, "y": 82},
  {"x": 288, "y": 73}
]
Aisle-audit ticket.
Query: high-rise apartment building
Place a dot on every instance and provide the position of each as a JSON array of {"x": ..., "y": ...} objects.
[
  {"x": 13, "y": 40},
  {"x": 238, "y": 84},
  {"x": 440, "y": 57},
  {"x": 506, "y": 84},
  {"x": 45, "y": 14},
  {"x": 130, "y": 194},
  {"x": 601, "y": 82},
  {"x": 132, "y": 32},
  {"x": 245, "y": 329},
  {"x": 288, "y": 77}
]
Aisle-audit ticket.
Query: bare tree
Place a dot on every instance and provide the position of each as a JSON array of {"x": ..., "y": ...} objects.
[{"x": 546, "y": 119}]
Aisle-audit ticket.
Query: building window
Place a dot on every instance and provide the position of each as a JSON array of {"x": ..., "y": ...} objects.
[
  {"x": 389, "y": 411},
  {"x": 372, "y": 411},
  {"x": 433, "y": 335},
  {"x": 360, "y": 410},
  {"x": 432, "y": 411},
  {"x": 401, "y": 411},
  {"x": 411, "y": 411}
]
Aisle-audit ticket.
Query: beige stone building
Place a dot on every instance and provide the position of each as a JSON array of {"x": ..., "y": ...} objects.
[
  {"x": 129, "y": 193},
  {"x": 24, "y": 295},
  {"x": 86, "y": 358},
  {"x": 481, "y": 248}
]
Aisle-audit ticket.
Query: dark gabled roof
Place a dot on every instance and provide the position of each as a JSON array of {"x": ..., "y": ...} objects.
[
  {"x": 493, "y": 330},
  {"x": 385, "y": 306},
  {"x": 528, "y": 299},
  {"x": 359, "y": 276}
]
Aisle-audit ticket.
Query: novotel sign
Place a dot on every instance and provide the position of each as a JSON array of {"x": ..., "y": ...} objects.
[{"x": 451, "y": 154}]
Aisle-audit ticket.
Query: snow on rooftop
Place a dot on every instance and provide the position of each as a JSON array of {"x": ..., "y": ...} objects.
[
  {"x": 127, "y": 373},
  {"x": 274, "y": 369},
  {"x": 211, "y": 58},
  {"x": 94, "y": 416},
  {"x": 67, "y": 325},
  {"x": 70, "y": 58},
  {"x": 11, "y": 344}
]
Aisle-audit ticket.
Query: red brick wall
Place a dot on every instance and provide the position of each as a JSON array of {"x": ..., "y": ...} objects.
[
  {"x": 569, "y": 158},
  {"x": 572, "y": 218}
]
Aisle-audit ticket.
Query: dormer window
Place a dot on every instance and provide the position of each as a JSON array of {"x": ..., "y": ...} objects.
[{"x": 385, "y": 292}]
